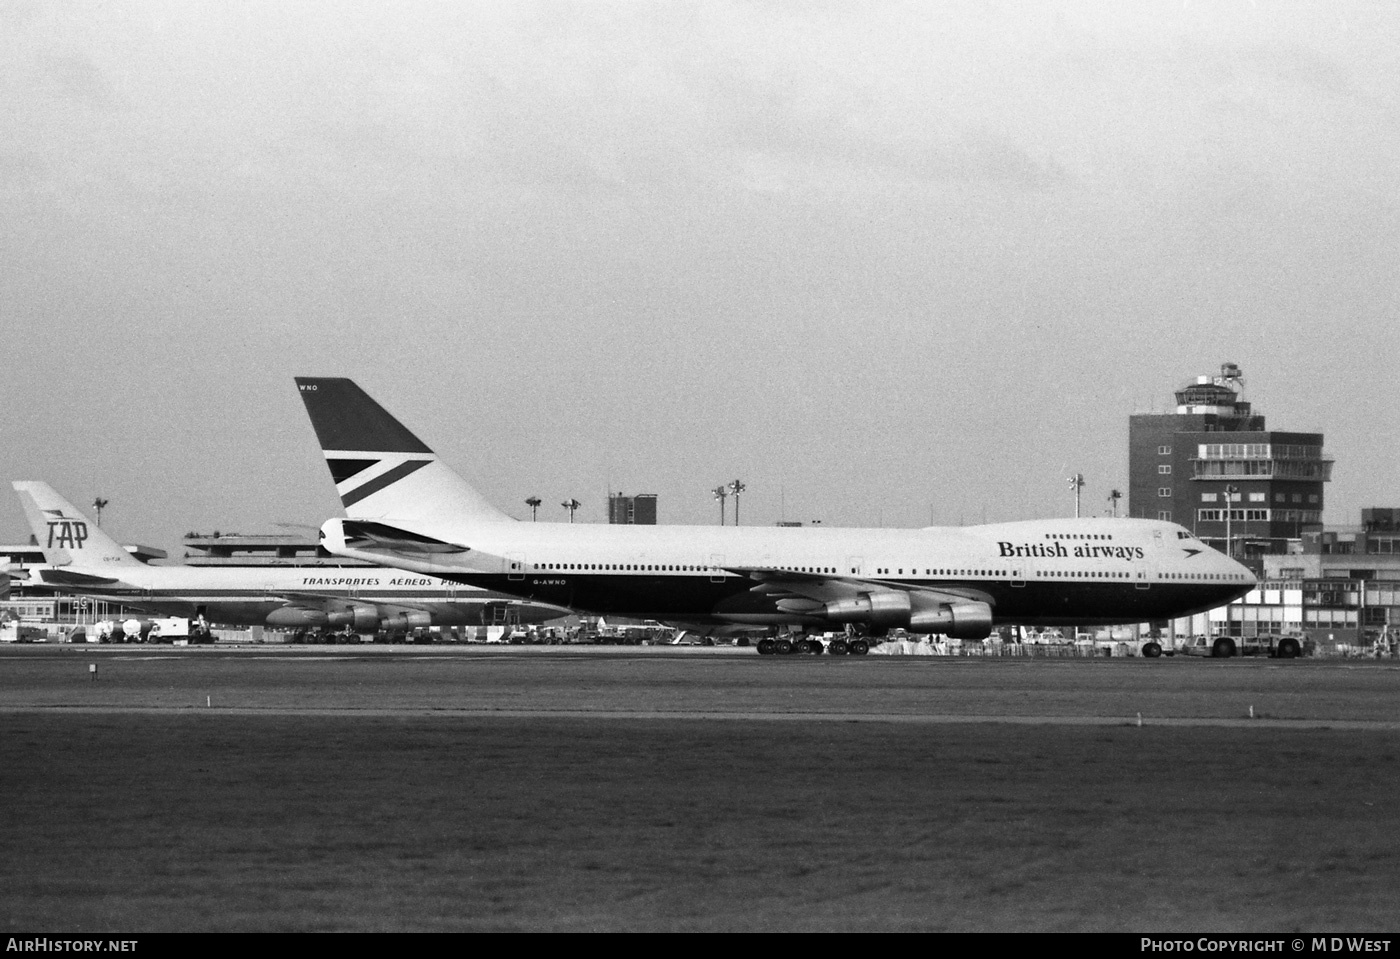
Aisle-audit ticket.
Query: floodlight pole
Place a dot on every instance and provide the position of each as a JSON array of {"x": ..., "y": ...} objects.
[{"x": 736, "y": 488}]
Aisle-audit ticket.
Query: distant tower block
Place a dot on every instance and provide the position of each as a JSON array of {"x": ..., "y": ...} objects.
[{"x": 639, "y": 510}]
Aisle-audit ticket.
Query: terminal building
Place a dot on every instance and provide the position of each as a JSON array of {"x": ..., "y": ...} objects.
[
  {"x": 1338, "y": 586},
  {"x": 278, "y": 549},
  {"x": 1258, "y": 494},
  {"x": 27, "y": 601},
  {"x": 1213, "y": 467}
]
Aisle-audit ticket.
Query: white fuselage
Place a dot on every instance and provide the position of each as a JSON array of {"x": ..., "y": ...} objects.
[{"x": 1050, "y": 571}]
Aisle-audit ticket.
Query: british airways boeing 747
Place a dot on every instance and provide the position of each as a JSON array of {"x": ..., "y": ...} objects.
[{"x": 407, "y": 508}]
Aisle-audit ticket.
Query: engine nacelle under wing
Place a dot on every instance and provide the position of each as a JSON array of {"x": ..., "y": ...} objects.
[
  {"x": 970, "y": 620},
  {"x": 361, "y": 617},
  {"x": 358, "y": 616},
  {"x": 914, "y": 612},
  {"x": 888, "y": 608},
  {"x": 297, "y": 616},
  {"x": 406, "y": 619}
]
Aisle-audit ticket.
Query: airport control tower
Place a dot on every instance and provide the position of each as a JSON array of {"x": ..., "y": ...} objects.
[{"x": 1212, "y": 467}]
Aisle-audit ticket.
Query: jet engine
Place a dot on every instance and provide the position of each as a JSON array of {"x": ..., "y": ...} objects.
[
  {"x": 359, "y": 617},
  {"x": 296, "y": 616},
  {"x": 970, "y": 620},
  {"x": 406, "y": 619},
  {"x": 915, "y": 612}
]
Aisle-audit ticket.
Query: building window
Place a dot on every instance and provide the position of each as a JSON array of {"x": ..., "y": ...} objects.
[
  {"x": 1236, "y": 515},
  {"x": 1209, "y": 497},
  {"x": 1257, "y": 497},
  {"x": 1165, "y": 469},
  {"x": 1280, "y": 498},
  {"x": 1164, "y": 514},
  {"x": 1164, "y": 450},
  {"x": 1165, "y": 491}
]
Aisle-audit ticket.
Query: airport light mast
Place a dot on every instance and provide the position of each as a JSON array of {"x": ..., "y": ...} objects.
[
  {"x": 736, "y": 488},
  {"x": 571, "y": 505},
  {"x": 1076, "y": 483},
  {"x": 534, "y": 503},
  {"x": 1113, "y": 497},
  {"x": 98, "y": 505},
  {"x": 720, "y": 493}
]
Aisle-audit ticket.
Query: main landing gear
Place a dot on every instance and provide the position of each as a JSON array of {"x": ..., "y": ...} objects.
[{"x": 797, "y": 645}]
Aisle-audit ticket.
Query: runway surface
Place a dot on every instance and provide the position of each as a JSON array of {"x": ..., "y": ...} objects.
[
  {"x": 702, "y": 683},
  {"x": 658, "y": 789}
]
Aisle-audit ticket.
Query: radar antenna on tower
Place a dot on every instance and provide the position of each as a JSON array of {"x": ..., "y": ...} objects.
[{"x": 1231, "y": 376}]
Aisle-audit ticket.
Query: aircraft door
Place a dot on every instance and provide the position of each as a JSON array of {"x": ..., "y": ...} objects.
[
  {"x": 1145, "y": 569},
  {"x": 515, "y": 566},
  {"x": 855, "y": 566},
  {"x": 716, "y": 568},
  {"x": 1021, "y": 569}
]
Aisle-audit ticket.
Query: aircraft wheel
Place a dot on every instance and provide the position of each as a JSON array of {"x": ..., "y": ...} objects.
[
  {"x": 837, "y": 647},
  {"x": 1151, "y": 650},
  {"x": 803, "y": 646},
  {"x": 1223, "y": 648},
  {"x": 765, "y": 647},
  {"x": 859, "y": 647},
  {"x": 782, "y": 646},
  {"x": 1288, "y": 649}
]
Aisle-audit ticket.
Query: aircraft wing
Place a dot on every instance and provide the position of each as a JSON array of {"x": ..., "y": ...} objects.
[
  {"x": 808, "y": 592},
  {"x": 363, "y": 534},
  {"x": 63, "y": 577},
  {"x": 322, "y": 601}
]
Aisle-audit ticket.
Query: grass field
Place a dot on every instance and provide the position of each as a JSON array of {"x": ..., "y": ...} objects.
[{"x": 361, "y": 794}]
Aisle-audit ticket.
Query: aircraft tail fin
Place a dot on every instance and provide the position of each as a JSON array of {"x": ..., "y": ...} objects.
[
  {"x": 380, "y": 469},
  {"x": 64, "y": 533}
]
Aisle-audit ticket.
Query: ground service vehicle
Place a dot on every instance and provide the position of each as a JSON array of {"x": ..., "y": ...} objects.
[{"x": 1224, "y": 647}]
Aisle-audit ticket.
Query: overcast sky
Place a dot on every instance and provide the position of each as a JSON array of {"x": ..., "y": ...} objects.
[{"x": 889, "y": 263}]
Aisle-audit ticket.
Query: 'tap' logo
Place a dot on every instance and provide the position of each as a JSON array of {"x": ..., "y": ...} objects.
[{"x": 68, "y": 534}]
